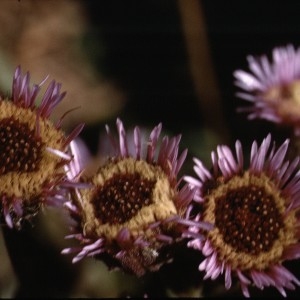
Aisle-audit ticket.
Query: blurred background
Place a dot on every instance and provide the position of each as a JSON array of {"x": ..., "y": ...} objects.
[{"x": 168, "y": 61}]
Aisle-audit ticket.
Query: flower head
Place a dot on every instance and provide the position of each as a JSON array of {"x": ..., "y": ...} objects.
[
  {"x": 33, "y": 151},
  {"x": 134, "y": 209},
  {"x": 273, "y": 87},
  {"x": 254, "y": 212}
]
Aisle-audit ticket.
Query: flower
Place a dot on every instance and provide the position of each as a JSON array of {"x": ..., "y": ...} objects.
[
  {"x": 273, "y": 87},
  {"x": 33, "y": 151},
  {"x": 254, "y": 212},
  {"x": 134, "y": 210}
]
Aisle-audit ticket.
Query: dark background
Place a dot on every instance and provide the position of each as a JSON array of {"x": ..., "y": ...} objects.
[{"x": 144, "y": 51}]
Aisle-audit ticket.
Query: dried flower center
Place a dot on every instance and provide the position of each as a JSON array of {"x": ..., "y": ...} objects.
[
  {"x": 248, "y": 219},
  {"x": 127, "y": 193},
  {"x": 252, "y": 229},
  {"x": 121, "y": 197},
  {"x": 20, "y": 149}
]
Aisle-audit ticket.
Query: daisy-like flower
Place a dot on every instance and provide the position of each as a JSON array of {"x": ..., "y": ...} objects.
[
  {"x": 33, "y": 151},
  {"x": 273, "y": 87},
  {"x": 255, "y": 215},
  {"x": 135, "y": 208}
]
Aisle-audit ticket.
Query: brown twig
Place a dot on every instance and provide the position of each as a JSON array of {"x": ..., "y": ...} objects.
[{"x": 201, "y": 67}]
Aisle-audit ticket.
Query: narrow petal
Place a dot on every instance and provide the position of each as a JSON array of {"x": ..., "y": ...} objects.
[{"x": 228, "y": 280}]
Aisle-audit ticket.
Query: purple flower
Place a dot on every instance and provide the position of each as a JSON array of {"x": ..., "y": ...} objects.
[
  {"x": 33, "y": 151},
  {"x": 273, "y": 88},
  {"x": 135, "y": 207},
  {"x": 254, "y": 212}
]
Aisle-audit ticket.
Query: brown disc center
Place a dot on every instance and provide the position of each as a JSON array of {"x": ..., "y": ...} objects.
[
  {"x": 20, "y": 148},
  {"x": 248, "y": 219},
  {"x": 121, "y": 197}
]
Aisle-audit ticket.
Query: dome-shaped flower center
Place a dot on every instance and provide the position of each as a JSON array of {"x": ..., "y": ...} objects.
[
  {"x": 286, "y": 99},
  {"x": 20, "y": 148},
  {"x": 286, "y": 92},
  {"x": 248, "y": 219},
  {"x": 121, "y": 197}
]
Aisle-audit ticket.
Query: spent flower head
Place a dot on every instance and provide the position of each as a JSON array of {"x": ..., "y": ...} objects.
[
  {"x": 33, "y": 151},
  {"x": 135, "y": 208},
  {"x": 254, "y": 210},
  {"x": 273, "y": 87}
]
